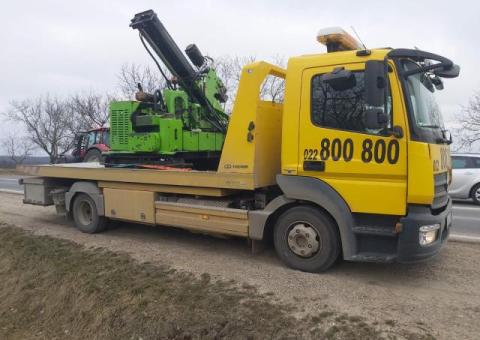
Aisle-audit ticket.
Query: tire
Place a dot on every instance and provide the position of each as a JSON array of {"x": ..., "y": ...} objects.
[
  {"x": 93, "y": 155},
  {"x": 85, "y": 215},
  {"x": 306, "y": 224},
  {"x": 475, "y": 194}
]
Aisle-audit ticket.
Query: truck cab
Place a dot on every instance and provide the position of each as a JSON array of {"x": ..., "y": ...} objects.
[
  {"x": 362, "y": 144},
  {"x": 390, "y": 175}
]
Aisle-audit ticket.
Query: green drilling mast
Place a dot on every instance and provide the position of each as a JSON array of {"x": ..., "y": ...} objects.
[{"x": 183, "y": 123}]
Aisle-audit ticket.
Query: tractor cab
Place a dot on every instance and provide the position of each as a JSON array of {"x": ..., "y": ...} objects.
[{"x": 89, "y": 145}]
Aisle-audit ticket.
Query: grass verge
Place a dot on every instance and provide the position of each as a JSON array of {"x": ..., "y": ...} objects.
[
  {"x": 54, "y": 289},
  {"x": 10, "y": 171}
]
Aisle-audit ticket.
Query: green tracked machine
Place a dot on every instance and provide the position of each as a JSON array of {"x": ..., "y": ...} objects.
[{"x": 181, "y": 125}]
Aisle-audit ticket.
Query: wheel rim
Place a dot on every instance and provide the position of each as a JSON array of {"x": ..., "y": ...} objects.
[
  {"x": 85, "y": 213},
  {"x": 477, "y": 194},
  {"x": 303, "y": 239}
]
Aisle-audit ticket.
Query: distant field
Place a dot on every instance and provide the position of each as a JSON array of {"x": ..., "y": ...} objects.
[
  {"x": 8, "y": 171},
  {"x": 7, "y": 163}
]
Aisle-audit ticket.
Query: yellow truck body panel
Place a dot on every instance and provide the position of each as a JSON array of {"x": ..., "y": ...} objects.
[{"x": 254, "y": 136}]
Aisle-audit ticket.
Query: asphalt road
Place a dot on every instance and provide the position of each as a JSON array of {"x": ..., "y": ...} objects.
[
  {"x": 466, "y": 215},
  {"x": 10, "y": 182},
  {"x": 466, "y": 218}
]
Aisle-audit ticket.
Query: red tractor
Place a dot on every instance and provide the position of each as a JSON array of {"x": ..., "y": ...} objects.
[{"x": 89, "y": 145}]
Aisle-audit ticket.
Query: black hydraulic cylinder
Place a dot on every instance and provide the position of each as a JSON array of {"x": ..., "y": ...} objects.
[
  {"x": 162, "y": 43},
  {"x": 195, "y": 56}
]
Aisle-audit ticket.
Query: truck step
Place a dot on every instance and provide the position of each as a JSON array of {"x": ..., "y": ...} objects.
[{"x": 209, "y": 219}]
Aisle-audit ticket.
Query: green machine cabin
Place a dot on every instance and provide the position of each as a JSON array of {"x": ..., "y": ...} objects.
[{"x": 183, "y": 124}]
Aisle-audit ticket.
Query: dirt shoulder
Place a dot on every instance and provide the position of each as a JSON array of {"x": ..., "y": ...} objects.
[
  {"x": 52, "y": 288},
  {"x": 439, "y": 297}
]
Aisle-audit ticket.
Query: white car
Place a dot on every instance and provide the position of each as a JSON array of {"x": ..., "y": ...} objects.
[{"x": 466, "y": 177}]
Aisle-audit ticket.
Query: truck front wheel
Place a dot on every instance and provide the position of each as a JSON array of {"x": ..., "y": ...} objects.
[
  {"x": 85, "y": 215},
  {"x": 306, "y": 239}
]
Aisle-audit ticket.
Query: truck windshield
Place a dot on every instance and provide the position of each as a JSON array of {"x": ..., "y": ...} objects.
[{"x": 426, "y": 112}]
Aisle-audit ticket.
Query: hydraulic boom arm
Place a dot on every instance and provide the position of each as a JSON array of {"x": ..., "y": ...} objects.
[{"x": 153, "y": 31}]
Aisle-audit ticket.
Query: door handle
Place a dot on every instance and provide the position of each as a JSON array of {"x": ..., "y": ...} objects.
[
  {"x": 314, "y": 165},
  {"x": 469, "y": 173}
]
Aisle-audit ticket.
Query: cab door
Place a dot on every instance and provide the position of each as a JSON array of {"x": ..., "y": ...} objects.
[{"x": 368, "y": 168}]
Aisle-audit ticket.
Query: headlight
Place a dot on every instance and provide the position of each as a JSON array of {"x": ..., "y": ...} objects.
[{"x": 428, "y": 234}]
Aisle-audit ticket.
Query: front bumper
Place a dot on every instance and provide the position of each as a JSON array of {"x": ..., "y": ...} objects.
[{"x": 408, "y": 246}]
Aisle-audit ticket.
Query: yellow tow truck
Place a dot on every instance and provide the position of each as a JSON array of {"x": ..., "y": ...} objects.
[{"x": 355, "y": 164}]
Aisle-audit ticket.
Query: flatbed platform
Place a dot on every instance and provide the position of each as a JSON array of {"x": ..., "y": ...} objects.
[
  {"x": 209, "y": 183},
  {"x": 250, "y": 157}
]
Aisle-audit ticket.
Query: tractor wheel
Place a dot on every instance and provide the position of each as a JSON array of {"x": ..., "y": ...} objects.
[{"x": 93, "y": 155}]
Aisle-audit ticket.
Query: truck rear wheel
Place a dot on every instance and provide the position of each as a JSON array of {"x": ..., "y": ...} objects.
[
  {"x": 85, "y": 215},
  {"x": 306, "y": 239}
]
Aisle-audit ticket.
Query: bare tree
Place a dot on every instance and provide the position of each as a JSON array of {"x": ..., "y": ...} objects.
[
  {"x": 273, "y": 88},
  {"x": 229, "y": 70},
  {"x": 48, "y": 122},
  {"x": 92, "y": 109},
  {"x": 469, "y": 134},
  {"x": 131, "y": 75},
  {"x": 18, "y": 148}
]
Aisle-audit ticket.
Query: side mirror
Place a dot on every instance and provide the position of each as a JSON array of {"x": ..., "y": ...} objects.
[
  {"x": 340, "y": 79},
  {"x": 437, "y": 82},
  {"x": 427, "y": 82},
  {"x": 375, "y": 92},
  {"x": 451, "y": 72},
  {"x": 447, "y": 135},
  {"x": 375, "y": 119},
  {"x": 375, "y": 83}
]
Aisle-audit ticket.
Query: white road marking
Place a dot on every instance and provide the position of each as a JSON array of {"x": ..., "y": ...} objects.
[
  {"x": 464, "y": 238},
  {"x": 466, "y": 208},
  {"x": 8, "y": 191}
]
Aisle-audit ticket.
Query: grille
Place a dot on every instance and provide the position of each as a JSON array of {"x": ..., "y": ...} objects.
[
  {"x": 440, "y": 198},
  {"x": 119, "y": 127}
]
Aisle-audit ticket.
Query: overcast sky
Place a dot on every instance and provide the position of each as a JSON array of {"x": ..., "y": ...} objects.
[{"x": 61, "y": 47}]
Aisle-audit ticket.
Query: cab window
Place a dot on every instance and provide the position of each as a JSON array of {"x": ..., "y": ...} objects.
[
  {"x": 343, "y": 109},
  {"x": 106, "y": 137},
  {"x": 91, "y": 138},
  {"x": 476, "y": 163}
]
